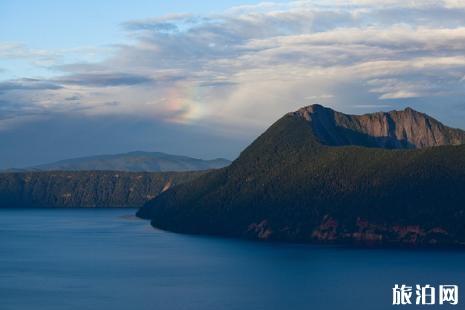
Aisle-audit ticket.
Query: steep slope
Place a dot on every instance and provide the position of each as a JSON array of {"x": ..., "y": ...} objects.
[
  {"x": 289, "y": 186},
  {"x": 394, "y": 129},
  {"x": 135, "y": 161},
  {"x": 85, "y": 189}
]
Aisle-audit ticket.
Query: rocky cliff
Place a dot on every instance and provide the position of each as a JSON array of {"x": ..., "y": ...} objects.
[
  {"x": 394, "y": 129},
  {"x": 87, "y": 189}
]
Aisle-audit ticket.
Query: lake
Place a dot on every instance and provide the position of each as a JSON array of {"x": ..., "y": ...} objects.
[{"x": 107, "y": 259}]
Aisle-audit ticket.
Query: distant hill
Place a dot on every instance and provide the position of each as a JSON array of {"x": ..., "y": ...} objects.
[
  {"x": 133, "y": 161},
  {"x": 85, "y": 189},
  {"x": 317, "y": 175}
]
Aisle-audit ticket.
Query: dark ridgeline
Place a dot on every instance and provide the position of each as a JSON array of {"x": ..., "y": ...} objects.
[
  {"x": 85, "y": 189},
  {"x": 133, "y": 161},
  {"x": 317, "y": 175}
]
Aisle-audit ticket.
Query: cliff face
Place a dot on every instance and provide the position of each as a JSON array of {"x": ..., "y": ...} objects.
[
  {"x": 289, "y": 185},
  {"x": 394, "y": 129},
  {"x": 85, "y": 189}
]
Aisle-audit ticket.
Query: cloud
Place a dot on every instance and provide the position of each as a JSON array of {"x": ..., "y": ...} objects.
[
  {"x": 103, "y": 79},
  {"x": 165, "y": 23},
  {"x": 151, "y": 26},
  {"x": 73, "y": 98},
  {"x": 241, "y": 69},
  {"x": 28, "y": 84},
  {"x": 14, "y": 50}
]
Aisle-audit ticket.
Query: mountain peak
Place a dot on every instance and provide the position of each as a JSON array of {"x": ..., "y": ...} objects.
[
  {"x": 412, "y": 110},
  {"x": 407, "y": 128}
]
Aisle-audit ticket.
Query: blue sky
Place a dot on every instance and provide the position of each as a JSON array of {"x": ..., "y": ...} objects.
[
  {"x": 56, "y": 25},
  {"x": 67, "y": 24},
  {"x": 204, "y": 78}
]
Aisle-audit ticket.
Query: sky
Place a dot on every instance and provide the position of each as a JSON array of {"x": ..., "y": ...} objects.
[{"x": 204, "y": 78}]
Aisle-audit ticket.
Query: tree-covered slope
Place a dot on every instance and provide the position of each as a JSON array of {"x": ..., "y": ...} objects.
[
  {"x": 289, "y": 186},
  {"x": 85, "y": 188}
]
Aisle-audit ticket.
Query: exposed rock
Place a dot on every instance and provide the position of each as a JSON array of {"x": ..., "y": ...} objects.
[
  {"x": 394, "y": 129},
  {"x": 260, "y": 230},
  {"x": 167, "y": 186},
  {"x": 369, "y": 233}
]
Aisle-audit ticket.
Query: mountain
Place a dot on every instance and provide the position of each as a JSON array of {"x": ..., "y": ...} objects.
[
  {"x": 85, "y": 188},
  {"x": 317, "y": 175},
  {"x": 134, "y": 161}
]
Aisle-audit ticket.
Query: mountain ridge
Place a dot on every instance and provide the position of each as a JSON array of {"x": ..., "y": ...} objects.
[
  {"x": 393, "y": 129},
  {"x": 136, "y": 161}
]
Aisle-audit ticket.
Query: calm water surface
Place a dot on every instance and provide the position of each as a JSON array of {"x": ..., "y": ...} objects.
[{"x": 107, "y": 259}]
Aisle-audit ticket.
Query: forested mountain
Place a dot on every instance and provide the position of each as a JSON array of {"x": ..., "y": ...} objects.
[{"x": 317, "y": 175}]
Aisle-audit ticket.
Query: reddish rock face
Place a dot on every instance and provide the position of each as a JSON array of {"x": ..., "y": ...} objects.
[
  {"x": 260, "y": 230},
  {"x": 394, "y": 129},
  {"x": 367, "y": 233},
  {"x": 327, "y": 231}
]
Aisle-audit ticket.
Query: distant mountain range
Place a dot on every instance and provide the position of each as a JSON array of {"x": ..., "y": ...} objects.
[
  {"x": 133, "y": 161},
  {"x": 318, "y": 175}
]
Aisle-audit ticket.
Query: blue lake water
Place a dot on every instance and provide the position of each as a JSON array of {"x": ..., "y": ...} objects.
[{"x": 107, "y": 259}]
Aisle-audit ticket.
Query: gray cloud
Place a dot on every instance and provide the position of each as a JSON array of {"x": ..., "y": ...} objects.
[
  {"x": 151, "y": 26},
  {"x": 73, "y": 98},
  {"x": 104, "y": 79},
  {"x": 161, "y": 23},
  {"x": 28, "y": 84}
]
